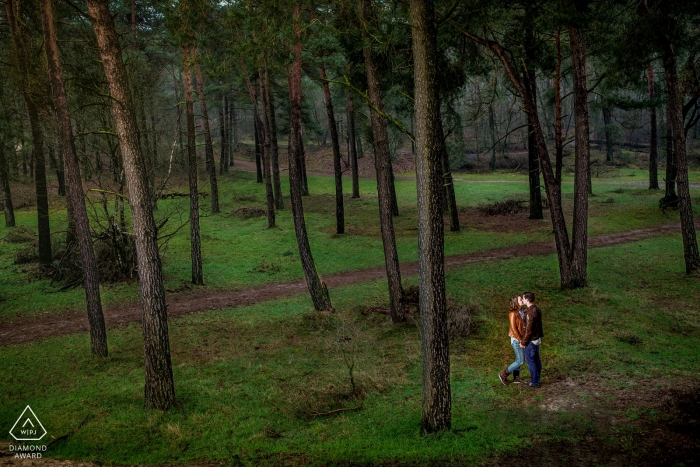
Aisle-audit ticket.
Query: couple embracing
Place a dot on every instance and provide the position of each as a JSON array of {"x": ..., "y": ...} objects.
[{"x": 525, "y": 338}]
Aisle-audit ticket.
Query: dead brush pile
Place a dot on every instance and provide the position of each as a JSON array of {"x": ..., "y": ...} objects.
[
  {"x": 248, "y": 213},
  {"x": 503, "y": 208},
  {"x": 19, "y": 234},
  {"x": 460, "y": 318},
  {"x": 115, "y": 254}
]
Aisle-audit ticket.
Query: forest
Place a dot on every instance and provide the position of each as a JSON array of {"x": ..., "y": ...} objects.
[{"x": 288, "y": 232}]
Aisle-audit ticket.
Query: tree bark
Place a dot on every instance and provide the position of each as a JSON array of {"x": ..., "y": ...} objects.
[
  {"x": 195, "y": 241},
  {"x": 317, "y": 289},
  {"x": 232, "y": 143},
  {"x": 383, "y": 166},
  {"x": 274, "y": 146},
  {"x": 257, "y": 123},
  {"x": 607, "y": 120},
  {"x": 448, "y": 183},
  {"x": 670, "y": 193},
  {"x": 437, "y": 401},
  {"x": 530, "y": 82},
  {"x": 6, "y": 193},
  {"x": 42, "y": 197},
  {"x": 582, "y": 175},
  {"x": 159, "y": 388},
  {"x": 76, "y": 197},
  {"x": 675, "y": 106},
  {"x": 337, "y": 169},
  {"x": 223, "y": 158},
  {"x": 270, "y": 198},
  {"x": 558, "y": 137},
  {"x": 42, "y": 204},
  {"x": 492, "y": 130},
  {"x": 208, "y": 146},
  {"x": 353, "y": 147},
  {"x": 653, "y": 138}
]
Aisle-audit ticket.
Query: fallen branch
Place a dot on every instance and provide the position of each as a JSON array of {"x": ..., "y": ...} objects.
[
  {"x": 70, "y": 433},
  {"x": 344, "y": 409}
]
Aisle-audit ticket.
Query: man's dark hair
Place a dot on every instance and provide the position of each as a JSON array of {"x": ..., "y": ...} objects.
[{"x": 529, "y": 296}]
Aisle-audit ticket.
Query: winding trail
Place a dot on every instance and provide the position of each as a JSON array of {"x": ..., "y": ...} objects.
[{"x": 34, "y": 328}]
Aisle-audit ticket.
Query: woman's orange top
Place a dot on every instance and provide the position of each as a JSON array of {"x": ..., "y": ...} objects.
[{"x": 516, "y": 325}]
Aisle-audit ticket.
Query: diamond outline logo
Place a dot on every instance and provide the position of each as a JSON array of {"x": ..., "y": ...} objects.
[{"x": 28, "y": 419}]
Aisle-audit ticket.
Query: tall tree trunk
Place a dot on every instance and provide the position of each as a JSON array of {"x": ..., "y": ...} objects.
[
  {"x": 6, "y": 193},
  {"x": 42, "y": 203},
  {"x": 437, "y": 400},
  {"x": 257, "y": 123},
  {"x": 558, "y": 138},
  {"x": 195, "y": 241},
  {"x": 653, "y": 138},
  {"x": 530, "y": 81},
  {"x": 383, "y": 168},
  {"x": 270, "y": 198},
  {"x": 76, "y": 197},
  {"x": 42, "y": 197},
  {"x": 232, "y": 143},
  {"x": 317, "y": 289},
  {"x": 208, "y": 146},
  {"x": 274, "y": 146},
  {"x": 675, "y": 105},
  {"x": 492, "y": 130},
  {"x": 449, "y": 185},
  {"x": 561, "y": 237},
  {"x": 607, "y": 120},
  {"x": 670, "y": 197},
  {"x": 159, "y": 388},
  {"x": 223, "y": 162},
  {"x": 353, "y": 147},
  {"x": 337, "y": 169},
  {"x": 579, "y": 240}
]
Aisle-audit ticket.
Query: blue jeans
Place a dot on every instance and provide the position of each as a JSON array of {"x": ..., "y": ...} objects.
[
  {"x": 519, "y": 358},
  {"x": 532, "y": 356}
]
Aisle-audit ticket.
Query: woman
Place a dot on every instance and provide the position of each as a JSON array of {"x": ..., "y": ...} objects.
[{"x": 515, "y": 316}]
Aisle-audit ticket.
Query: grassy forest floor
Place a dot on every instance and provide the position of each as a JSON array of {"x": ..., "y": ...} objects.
[{"x": 256, "y": 383}]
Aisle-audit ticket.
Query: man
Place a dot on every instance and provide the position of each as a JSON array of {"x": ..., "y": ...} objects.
[{"x": 532, "y": 338}]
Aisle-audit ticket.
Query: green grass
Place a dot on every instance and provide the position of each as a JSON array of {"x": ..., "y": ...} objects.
[
  {"x": 245, "y": 375},
  {"x": 233, "y": 249}
]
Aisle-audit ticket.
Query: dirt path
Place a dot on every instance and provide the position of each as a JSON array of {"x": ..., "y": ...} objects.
[{"x": 33, "y": 328}]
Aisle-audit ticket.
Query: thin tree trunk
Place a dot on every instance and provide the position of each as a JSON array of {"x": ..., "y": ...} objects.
[
  {"x": 270, "y": 198},
  {"x": 223, "y": 162},
  {"x": 195, "y": 241},
  {"x": 558, "y": 138},
  {"x": 675, "y": 105},
  {"x": 353, "y": 147},
  {"x": 257, "y": 124},
  {"x": 607, "y": 120},
  {"x": 317, "y": 289},
  {"x": 392, "y": 188},
  {"x": 492, "y": 130},
  {"x": 208, "y": 146},
  {"x": 530, "y": 81},
  {"x": 561, "y": 237},
  {"x": 653, "y": 138},
  {"x": 579, "y": 241},
  {"x": 449, "y": 185},
  {"x": 159, "y": 388},
  {"x": 232, "y": 142},
  {"x": 274, "y": 146},
  {"x": 60, "y": 174},
  {"x": 76, "y": 198},
  {"x": 437, "y": 399},
  {"x": 302, "y": 167},
  {"x": 42, "y": 204},
  {"x": 671, "y": 197},
  {"x": 6, "y": 193},
  {"x": 42, "y": 197},
  {"x": 337, "y": 169},
  {"x": 383, "y": 169}
]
